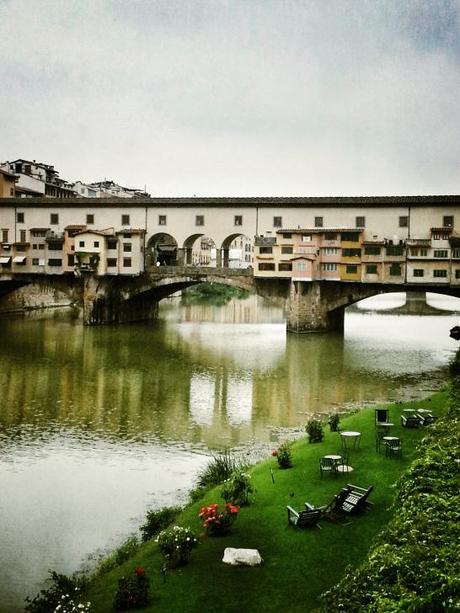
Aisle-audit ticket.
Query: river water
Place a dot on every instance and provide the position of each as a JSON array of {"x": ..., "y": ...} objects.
[{"x": 97, "y": 424}]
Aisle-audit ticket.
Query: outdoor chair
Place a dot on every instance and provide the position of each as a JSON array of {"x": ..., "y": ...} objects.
[
  {"x": 411, "y": 421},
  {"x": 393, "y": 447},
  {"x": 304, "y": 519},
  {"x": 350, "y": 499},
  {"x": 327, "y": 465},
  {"x": 382, "y": 416},
  {"x": 379, "y": 434}
]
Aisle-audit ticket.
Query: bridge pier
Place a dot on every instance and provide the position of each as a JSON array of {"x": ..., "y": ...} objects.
[{"x": 311, "y": 307}]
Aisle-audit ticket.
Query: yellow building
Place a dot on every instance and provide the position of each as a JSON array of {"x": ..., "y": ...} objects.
[
  {"x": 7, "y": 184},
  {"x": 350, "y": 260}
]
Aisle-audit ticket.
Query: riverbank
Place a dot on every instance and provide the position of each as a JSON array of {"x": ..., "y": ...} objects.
[{"x": 298, "y": 565}]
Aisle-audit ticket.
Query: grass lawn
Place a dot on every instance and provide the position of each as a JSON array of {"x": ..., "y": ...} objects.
[{"x": 298, "y": 564}]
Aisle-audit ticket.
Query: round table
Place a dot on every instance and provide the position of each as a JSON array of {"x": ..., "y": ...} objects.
[
  {"x": 349, "y": 436},
  {"x": 340, "y": 468}
]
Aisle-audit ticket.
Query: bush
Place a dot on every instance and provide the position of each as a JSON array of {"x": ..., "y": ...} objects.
[
  {"x": 283, "y": 455},
  {"x": 314, "y": 429},
  {"x": 155, "y": 521},
  {"x": 124, "y": 552},
  {"x": 63, "y": 591},
  {"x": 133, "y": 592},
  {"x": 176, "y": 545},
  {"x": 218, "y": 470},
  {"x": 333, "y": 422},
  {"x": 217, "y": 519},
  {"x": 237, "y": 488}
]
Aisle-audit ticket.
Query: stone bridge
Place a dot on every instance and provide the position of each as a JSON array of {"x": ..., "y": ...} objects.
[{"x": 309, "y": 306}]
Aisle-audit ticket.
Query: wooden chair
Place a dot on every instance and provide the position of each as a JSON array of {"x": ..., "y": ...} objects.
[
  {"x": 304, "y": 519},
  {"x": 411, "y": 421}
]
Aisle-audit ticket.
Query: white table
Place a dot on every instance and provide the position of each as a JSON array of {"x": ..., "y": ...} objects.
[{"x": 350, "y": 438}]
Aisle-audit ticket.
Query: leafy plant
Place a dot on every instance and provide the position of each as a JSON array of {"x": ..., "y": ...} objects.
[
  {"x": 176, "y": 545},
  {"x": 314, "y": 429},
  {"x": 333, "y": 422},
  {"x": 155, "y": 521},
  {"x": 124, "y": 552},
  {"x": 218, "y": 470},
  {"x": 133, "y": 592},
  {"x": 237, "y": 488},
  {"x": 63, "y": 590},
  {"x": 283, "y": 455},
  {"x": 217, "y": 519}
]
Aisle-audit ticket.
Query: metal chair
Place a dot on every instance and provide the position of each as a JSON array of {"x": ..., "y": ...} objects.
[
  {"x": 393, "y": 447},
  {"x": 327, "y": 465}
]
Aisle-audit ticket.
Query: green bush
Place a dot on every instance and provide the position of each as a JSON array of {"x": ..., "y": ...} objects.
[
  {"x": 63, "y": 590},
  {"x": 333, "y": 422},
  {"x": 155, "y": 521},
  {"x": 314, "y": 429},
  {"x": 283, "y": 455},
  {"x": 125, "y": 551},
  {"x": 133, "y": 592},
  {"x": 218, "y": 470},
  {"x": 237, "y": 488}
]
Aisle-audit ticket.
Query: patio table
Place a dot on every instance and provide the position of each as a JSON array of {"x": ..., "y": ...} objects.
[{"x": 350, "y": 438}]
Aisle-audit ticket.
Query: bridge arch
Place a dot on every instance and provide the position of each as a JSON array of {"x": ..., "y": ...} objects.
[
  {"x": 161, "y": 249},
  {"x": 242, "y": 246}
]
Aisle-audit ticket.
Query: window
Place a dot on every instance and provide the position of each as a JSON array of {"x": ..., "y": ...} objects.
[
  {"x": 352, "y": 237},
  {"x": 35, "y": 246},
  {"x": 266, "y": 266},
  {"x": 20, "y": 217},
  {"x": 20, "y": 248},
  {"x": 41, "y": 246},
  {"x": 90, "y": 218},
  {"x": 161, "y": 220},
  {"x": 301, "y": 266},
  {"x": 306, "y": 238},
  {"x": 238, "y": 220},
  {"x": 330, "y": 236},
  {"x": 111, "y": 262},
  {"x": 330, "y": 267},
  {"x": 424, "y": 252},
  {"x": 394, "y": 250},
  {"x": 199, "y": 220},
  {"x": 127, "y": 247},
  {"x": 351, "y": 253},
  {"x": 360, "y": 222},
  {"x": 70, "y": 259},
  {"x": 277, "y": 222},
  {"x": 287, "y": 249},
  {"x": 81, "y": 243},
  {"x": 112, "y": 243},
  {"x": 127, "y": 262},
  {"x": 414, "y": 251},
  {"x": 265, "y": 250},
  {"x": 54, "y": 219},
  {"x": 440, "y": 236},
  {"x": 287, "y": 235},
  {"x": 419, "y": 272},
  {"x": 440, "y": 273},
  {"x": 318, "y": 222},
  {"x": 456, "y": 253},
  {"x": 457, "y": 273},
  {"x": 371, "y": 269},
  {"x": 54, "y": 262},
  {"x": 331, "y": 251},
  {"x": 35, "y": 261},
  {"x": 351, "y": 269},
  {"x": 125, "y": 220},
  {"x": 395, "y": 270},
  {"x": 38, "y": 233},
  {"x": 4, "y": 236},
  {"x": 285, "y": 267},
  {"x": 96, "y": 243},
  {"x": 11, "y": 191},
  {"x": 440, "y": 253},
  {"x": 55, "y": 245},
  {"x": 403, "y": 221},
  {"x": 448, "y": 221},
  {"x": 22, "y": 236},
  {"x": 371, "y": 250},
  {"x": 126, "y": 235}
]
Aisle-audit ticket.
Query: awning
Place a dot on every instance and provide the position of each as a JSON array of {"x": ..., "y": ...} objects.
[
  {"x": 5, "y": 260},
  {"x": 19, "y": 259}
]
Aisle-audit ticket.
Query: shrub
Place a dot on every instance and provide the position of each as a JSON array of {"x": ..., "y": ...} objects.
[
  {"x": 217, "y": 519},
  {"x": 237, "y": 488},
  {"x": 176, "y": 545},
  {"x": 133, "y": 592},
  {"x": 314, "y": 430},
  {"x": 124, "y": 552},
  {"x": 333, "y": 422},
  {"x": 283, "y": 455},
  {"x": 63, "y": 590},
  {"x": 218, "y": 470},
  {"x": 155, "y": 521}
]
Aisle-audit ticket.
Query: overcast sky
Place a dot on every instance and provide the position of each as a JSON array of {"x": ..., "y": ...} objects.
[{"x": 236, "y": 97}]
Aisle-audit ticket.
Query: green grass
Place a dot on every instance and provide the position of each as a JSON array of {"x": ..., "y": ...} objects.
[{"x": 298, "y": 565}]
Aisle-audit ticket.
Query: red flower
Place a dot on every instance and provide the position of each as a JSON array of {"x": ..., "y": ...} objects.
[
  {"x": 275, "y": 452},
  {"x": 139, "y": 571}
]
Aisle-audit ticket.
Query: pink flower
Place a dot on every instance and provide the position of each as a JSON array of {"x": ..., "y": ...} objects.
[{"x": 275, "y": 452}]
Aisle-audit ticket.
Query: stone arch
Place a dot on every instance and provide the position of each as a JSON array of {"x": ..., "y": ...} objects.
[
  {"x": 161, "y": 249},
  {"x": 242, "y": 252}
]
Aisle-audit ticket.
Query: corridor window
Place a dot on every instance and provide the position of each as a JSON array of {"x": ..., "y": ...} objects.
[
  {"x": 125, "y": 220},
  {"x": 360, "y": 222},
  {"x": 20, "y": 217},
  {"x": 403, "y": 221},
  {"x": 90, "y": 218},
  {"x": 318, "y": 222},
  {"x": 161, "y": 220},
  {"x": 54, "y": 219},
  {"x": 199, "y": 220},
  {"x": 277, "y": 222},
  {"x": 448, "y": 221},
  {"x": 238, "y": 220}
]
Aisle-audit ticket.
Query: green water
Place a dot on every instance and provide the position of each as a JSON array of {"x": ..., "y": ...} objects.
[{"x": 97, "y": 424}]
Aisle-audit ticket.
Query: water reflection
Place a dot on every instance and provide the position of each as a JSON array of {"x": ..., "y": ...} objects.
[{"x": 98, "y": 423}]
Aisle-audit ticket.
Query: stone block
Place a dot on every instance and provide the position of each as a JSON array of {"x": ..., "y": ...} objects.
[{"x": 241, "y": 557}]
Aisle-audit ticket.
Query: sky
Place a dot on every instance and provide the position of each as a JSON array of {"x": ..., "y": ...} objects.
[{"x": 236, "y": 97}]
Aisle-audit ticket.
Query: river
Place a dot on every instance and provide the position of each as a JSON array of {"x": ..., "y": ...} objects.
[{"x": 97, "y": 424}]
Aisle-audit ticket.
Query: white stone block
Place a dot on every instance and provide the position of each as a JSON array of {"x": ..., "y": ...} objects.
[{"x": 242, "y": 557}]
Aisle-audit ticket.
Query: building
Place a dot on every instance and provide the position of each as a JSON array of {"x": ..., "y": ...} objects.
[
  {"x": 7, "y": 184},
  {"x": 38, "y": 179}
]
